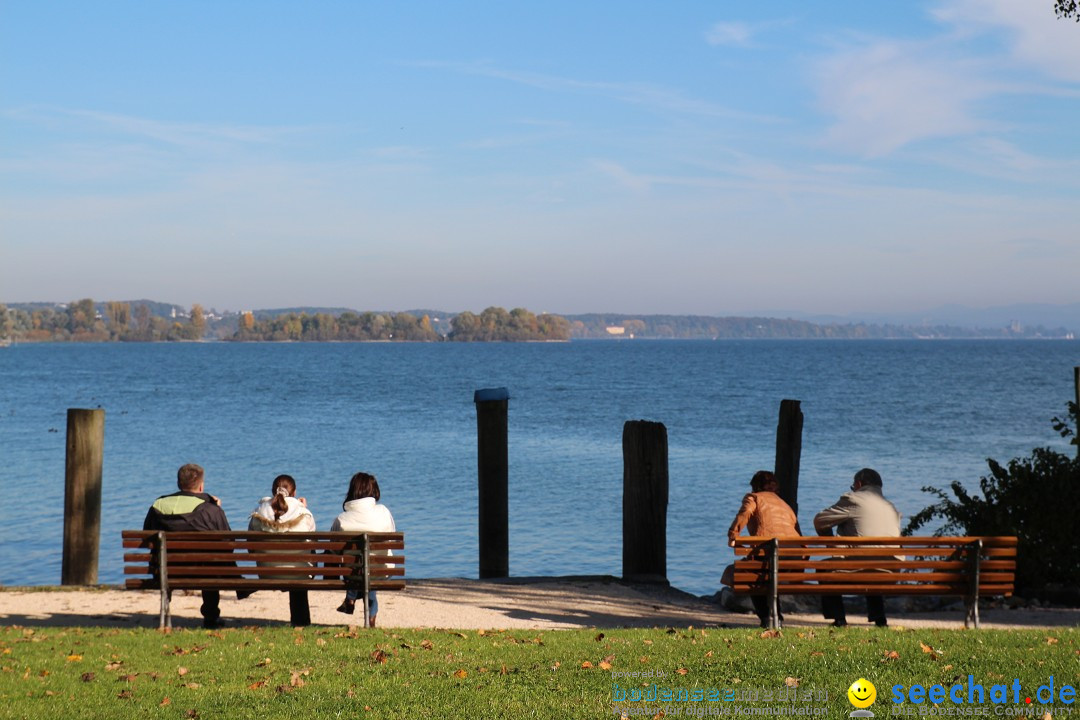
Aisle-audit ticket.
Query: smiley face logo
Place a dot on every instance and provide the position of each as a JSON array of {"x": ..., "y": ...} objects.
[{"x": 862, "y": 693}]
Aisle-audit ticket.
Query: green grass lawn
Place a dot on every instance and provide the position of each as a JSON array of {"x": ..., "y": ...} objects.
[{"x": 325, "y": 672}]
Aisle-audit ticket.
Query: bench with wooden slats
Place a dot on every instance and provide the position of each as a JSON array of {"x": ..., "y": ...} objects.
[
  {"x": 968, "y": 567},
  {"x": 168, "y": 561}
]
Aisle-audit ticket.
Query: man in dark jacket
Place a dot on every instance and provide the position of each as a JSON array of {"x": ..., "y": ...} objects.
[{"x": 191, "y": 509}]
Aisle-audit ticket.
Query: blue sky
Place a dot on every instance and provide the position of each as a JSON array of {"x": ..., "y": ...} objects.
[{"x": 689, "y": 157}]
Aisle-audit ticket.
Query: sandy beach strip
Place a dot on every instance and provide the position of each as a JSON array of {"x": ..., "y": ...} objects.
[{"x": 521, "y": 603}]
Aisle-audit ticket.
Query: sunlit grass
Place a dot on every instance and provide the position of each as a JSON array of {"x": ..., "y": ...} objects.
[{"x": 324, "y": 672}]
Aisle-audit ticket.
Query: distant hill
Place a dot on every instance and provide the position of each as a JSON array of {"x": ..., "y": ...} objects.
[{"x": 1065, "y": 316}]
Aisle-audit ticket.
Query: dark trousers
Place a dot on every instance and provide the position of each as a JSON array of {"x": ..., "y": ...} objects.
[
  {"x": 209, "y": 609},
  {"x": 761, "y": 609},
  {"x": 832, "y": 607},
  {"x": 299, "y": 610}
]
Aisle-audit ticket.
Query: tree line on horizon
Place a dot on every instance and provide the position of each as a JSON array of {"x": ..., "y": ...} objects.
[
  {"x": 148, "y": 321},
  {"x": 85, "y": 321}
]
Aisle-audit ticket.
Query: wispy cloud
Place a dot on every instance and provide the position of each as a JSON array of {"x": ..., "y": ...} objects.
[
  {"x": 1031, "y": 32},
  {"x": 884, "y": 94},
  {"x": 645, "y": 94},
  {"x": 178, "y": 134},
  {"x": 887, "y": 94},
  {"x": 735, "y": 34}
]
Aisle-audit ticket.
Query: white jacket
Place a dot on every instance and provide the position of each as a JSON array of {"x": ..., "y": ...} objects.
[
  {"x": 297, "y": 518},
  {"x": 365, "y": 515}
]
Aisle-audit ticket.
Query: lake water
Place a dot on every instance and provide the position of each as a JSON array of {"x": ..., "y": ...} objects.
[{"x": 920, "y": 412}]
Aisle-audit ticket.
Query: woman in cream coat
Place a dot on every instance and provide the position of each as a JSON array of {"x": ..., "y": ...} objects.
[{"x": 283, "y": 512}]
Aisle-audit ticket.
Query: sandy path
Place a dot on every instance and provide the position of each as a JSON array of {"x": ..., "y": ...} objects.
[{"x": 542, "y": 603}]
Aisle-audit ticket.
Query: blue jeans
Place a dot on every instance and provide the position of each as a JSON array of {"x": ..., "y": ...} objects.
[{"x": 373, "y": 603}]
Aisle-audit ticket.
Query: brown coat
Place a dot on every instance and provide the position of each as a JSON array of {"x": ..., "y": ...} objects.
[{"x": 765, "y": 515}]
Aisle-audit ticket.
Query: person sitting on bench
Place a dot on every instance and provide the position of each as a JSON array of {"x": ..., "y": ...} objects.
[
  {"x": 863, "y": 512},
  {"x": 765, "y": 514},
  {"x": 191, "y": 509}
]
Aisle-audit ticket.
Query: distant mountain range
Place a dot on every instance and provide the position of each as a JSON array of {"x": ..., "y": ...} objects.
[{"x": 1023, "y": 315}]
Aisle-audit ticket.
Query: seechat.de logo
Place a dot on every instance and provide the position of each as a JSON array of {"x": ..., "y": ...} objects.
[{"x": 862, "y": 695}]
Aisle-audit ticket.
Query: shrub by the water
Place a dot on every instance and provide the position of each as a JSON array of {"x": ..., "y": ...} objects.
[{"x": 1034, "y": 498}]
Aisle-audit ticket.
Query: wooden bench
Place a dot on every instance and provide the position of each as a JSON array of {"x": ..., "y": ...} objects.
[
  {"x": 168, "y": 561},
  {"x": 968, "y": 567}
]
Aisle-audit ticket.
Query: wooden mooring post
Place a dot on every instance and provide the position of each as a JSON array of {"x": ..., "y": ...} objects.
[
  {"x": 1076, "y": 384},
  {"x": 789, "y": 451},
  {"x": 82, "y": 496},
  {"x": 645, "y": 501},
  {"x": 493, "y": 471}
]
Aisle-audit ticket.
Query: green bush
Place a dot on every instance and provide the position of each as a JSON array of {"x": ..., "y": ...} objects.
[{"x": 1035, "y": 498}]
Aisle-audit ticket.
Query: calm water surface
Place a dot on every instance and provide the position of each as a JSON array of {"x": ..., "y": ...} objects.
[{"x": 920, "y": 412}]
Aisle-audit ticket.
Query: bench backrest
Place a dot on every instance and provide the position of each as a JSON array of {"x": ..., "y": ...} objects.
[
  {"x": 877, "y": 566},
  {"x": 262, "y": 560}
]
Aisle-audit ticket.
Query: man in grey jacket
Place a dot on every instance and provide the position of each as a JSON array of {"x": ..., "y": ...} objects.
[{"x": 863, "y": 512}]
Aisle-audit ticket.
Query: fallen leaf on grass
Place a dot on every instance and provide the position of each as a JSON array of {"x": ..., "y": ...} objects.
[
  {"x": 77, "y": 658},
  {"x": 263, "y": 663},
  {"x": 708, "y": 654},
  {"x": 427, "y": 645},
  {"x": 88, "y": 677},
  {"x": 553, "y": 667},
  {"x": 114, "y": 665},
  {"x": 192, "y": 714},
  {"x": 165, "y": 701},
  {"x": 1049, "y": 641},
  {"x": 817, "y": 653},
  {"x": 791, "y": 682},
  {"x": 320, "y": 642},
  {"x": 682, "y": 671},
  {"x": 127, "y": 678},
  {"x": 503, "y": 670},
  {"x": 891, "y": 655},
  {"x": 258, "y": 684},
  {"x": 461, "y": 674},
  {"x": 379, "y": 657},
  {"x": 181, "y": 671},
  {"x": 296, "y": 677},
  {"x": 770, "y": 634},
  {"x": 934, "y": 654},
  {"x": 125, "y": 694},
  {"x": 599, "y": 637},
  {"x": 604, "y": 665},
  {"x": 191, "y": 686},
  {"x": 586, "y": 665}
]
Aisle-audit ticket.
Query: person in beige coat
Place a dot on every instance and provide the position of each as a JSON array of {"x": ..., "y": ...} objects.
[
  {"x": 764, "y": 514},
  {"x": 863, "y": 512}
]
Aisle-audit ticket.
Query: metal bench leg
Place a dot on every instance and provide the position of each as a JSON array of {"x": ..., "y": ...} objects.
[
  {"x": 971, "y": 616},
  {"x": 165, "y": 621},
  {"x": 367, "y": 582},
  {"x": 774, "y": 584}
]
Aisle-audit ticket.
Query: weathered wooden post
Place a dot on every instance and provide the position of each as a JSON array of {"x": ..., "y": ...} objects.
[
  {"x": 645, "y": 500},
  {"x": 1076, "y": 384},
  {"x": 82, "y": 496},
  {"x": 789, "y": 451},
  {"x": 493, "y": 470}
]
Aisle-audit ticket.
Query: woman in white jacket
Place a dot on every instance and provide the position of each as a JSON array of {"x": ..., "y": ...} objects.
[
  {"x": 283, "y": 512},
  {"x": 363, "y": 513}
]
